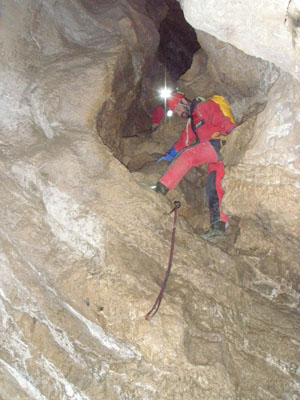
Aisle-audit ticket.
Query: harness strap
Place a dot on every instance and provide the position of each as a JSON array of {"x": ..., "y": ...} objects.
[
  {"x": 196, "y": 126},
  {"x": 222, "y": 138},
  {"x": 196, "y": 101},
  {"x": 187, "y": 132}
]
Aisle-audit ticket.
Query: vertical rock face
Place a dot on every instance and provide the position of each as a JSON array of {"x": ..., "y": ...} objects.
[
  {"x": 83, "y": 247},
  {"x": 274, "y": 148},
  {"x": 262, "y": 183}
]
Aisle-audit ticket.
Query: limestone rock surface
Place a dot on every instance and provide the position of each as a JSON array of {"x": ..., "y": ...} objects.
[
  {"x": 267, "y": 29},
  {"x": 84, "y": 246}
]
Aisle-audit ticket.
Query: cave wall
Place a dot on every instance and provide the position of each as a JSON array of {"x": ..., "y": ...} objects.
[
  {"x": 222, "y": 68},
  {"x": 83, "y": 247},
  {"x": 268, "y": 29}
]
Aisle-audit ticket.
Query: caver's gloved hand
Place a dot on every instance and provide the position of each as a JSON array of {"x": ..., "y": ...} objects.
[
  {"x": 169, "y": 155},
  {"x": 154, "y": 127}
]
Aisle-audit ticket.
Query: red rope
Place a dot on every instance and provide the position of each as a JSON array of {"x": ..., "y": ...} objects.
[{"x": 156, "y": 305}]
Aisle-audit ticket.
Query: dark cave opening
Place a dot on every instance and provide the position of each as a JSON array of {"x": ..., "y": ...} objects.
[{"x": 178, "y": 41}]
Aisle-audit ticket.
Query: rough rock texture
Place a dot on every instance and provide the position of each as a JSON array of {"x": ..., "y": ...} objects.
[
  {"x": 244, "y": 80},
  {"x": 264, "y": 178},
  {"x": 84, "y": 247},
  {"x": 198, "y": 67},
  {"x": 267, "y": 29}
]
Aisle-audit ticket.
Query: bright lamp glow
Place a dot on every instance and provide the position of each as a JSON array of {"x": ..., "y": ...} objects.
[
  {"x": 165, "y": 93},
  {"x": 169, "y": 113}
]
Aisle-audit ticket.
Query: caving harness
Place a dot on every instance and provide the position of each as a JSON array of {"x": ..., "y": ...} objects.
[{"x": 156, "y": 305}]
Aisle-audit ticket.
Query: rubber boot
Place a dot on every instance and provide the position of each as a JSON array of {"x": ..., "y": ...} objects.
[
  {"x": 161, "y": 188},
  {"x": 217, "y": 229}
]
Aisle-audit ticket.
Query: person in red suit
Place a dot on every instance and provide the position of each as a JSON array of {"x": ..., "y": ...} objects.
[
  {"x": 157, "y": 115},
  {"x": 200, "y": 142}
]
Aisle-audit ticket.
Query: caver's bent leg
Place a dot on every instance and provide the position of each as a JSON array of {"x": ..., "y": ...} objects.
[
  {"x": 215, "y": 192},
  {"x": 191, "y": 156}
]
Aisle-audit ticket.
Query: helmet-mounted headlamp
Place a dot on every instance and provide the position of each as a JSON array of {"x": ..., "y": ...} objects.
[
  {"x": 172, "y": 101},
  {"x": 165, "y": 93},
  {"x": 171, "y": 98}
]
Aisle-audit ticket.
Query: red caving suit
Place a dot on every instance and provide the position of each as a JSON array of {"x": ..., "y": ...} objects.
[
  {"x": 196, "y": 146},
  {"x": 157, "y": 114}
]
